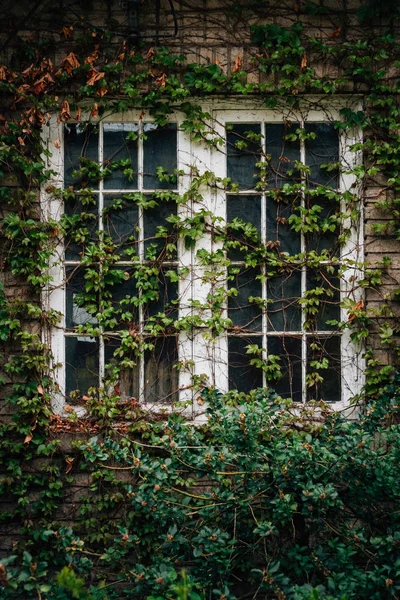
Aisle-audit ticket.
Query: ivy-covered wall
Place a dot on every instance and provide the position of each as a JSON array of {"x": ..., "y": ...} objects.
[{"x": 84, "y": 58}]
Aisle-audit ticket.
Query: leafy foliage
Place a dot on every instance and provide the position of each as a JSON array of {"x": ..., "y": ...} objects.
[{"x": 266, "y": 498}]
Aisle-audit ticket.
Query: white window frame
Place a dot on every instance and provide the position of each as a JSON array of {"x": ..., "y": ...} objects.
[{"x": 209, "y": 358}]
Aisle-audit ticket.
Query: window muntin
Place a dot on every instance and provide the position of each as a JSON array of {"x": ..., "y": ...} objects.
[
  {"x": 209, "y": 359},
  {"x": 112, "y": 176},
  {"x": 266, "y": 306}
]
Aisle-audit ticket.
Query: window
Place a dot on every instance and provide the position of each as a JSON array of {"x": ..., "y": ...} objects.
[{"x": 186, "y": 261}]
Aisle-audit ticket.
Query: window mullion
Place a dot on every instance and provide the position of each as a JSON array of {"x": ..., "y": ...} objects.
[
  {"x": 185, "y": 258},
  {"x": 218, "y": 203},
  {"x": 53, "y": 295},
  {"x": 141, "y": 254},
  {"x": 264, "y": 240},
  {"x": 303, "y": 279},
  {"x": 101, "y": 234}
]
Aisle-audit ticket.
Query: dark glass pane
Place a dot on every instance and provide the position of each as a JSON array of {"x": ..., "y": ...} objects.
[
  {"x": 82, "y": 364},
  {"x": 283, "y": 309},
  {"x": 124, "y": 300},
  {"x": 278, "y": 229},
  {"x": 281, "y": 154},
  {"x": 247, "y": 209},
  {"x": 245, "y": 314},
  {"x": 322, "y": 150},
  {"x": 161, "y": 380},
  {"x": 121, "y": 222},
  {"x": 242, "y": 375},
  {"x": 289, "y": 351},
  {"x": 80, "y": 141},
  {"x": 123, "y": 370},
  {"x": 243, "y": 153},
  {"x": 119, "y": 146},
  {"x": 324, "y": 240},
  {"x": 74, "y": 314},
  {"x": 159, "y": 150},
  {"x": 166, "y": 291},
  {"x": 153, "y": 218},
  {"x": 84, "y": 224},
  {"x": 328, "y": 308},
  {"x": 329, "y": 389}
]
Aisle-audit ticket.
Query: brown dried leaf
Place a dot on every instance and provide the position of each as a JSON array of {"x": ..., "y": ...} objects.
[
  {"x": 89, "y": 60},
  {"x": 94, "y": 76},
  {"x": 150, "y": 54},
  {"x": 336, "y": 33},
  {"x": 95, "y": 110},
  {"x": 78, "y": 115},
  {"x": 358, "y": 306},
  {"x": 102, "y": 91},
  {"x": 40, "y": 390},
  {"x": 238, "y": 64},
  {"x": 217, "y": 62},
  {"x": 303, "y": 63},
  {"x": 35, "y": 116},
  {"x": 28, "y": 438},
  {"x": 41, "y": 84},
  {"x": 67, "y": 31},
  {"x": 65, "y": 114},
  {"x": 161, "y": 80},
  {"x": 3, "y": 576},
  {"x": 70, "y": 462},
  {"x": 71, "y": 62},
  {"x": 273, "y": 245},
  {"x": 3, "y": 73},
  {"x": 28, "y": 70}
]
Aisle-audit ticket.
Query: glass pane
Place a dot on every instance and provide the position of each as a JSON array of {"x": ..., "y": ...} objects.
[
  {"x": 324, "y": 240},
  {"x": 121, "y": 222},
  {"x": 124, "y": 300},
  {"x": 159, "y": 150},
  {"x": 248, "y": 210},
  {"x": 319, "y": 351},
  {"x": 80, "y": 141},
  {"x": 166, "y": 292},
  {"x": 243, "y": 152},
  {"x": 283, "y": 309},
  {"x": 327, "y": 286},
  {"x": 161, "y": 380},
  {"x": 82, "y": 364},
  {"x": 281, "y": 154},
  {"x": 242, "y": 375},
  {"x": 288, "y": 349},
  {"x": 153, "y": 218},
  {"x": 322, "y": 150},
  {"x": 120, "y": 145},
  {"x": 84, "y": 224},
  {"x": 245, "y": 313},
  {"x": 75, "y": 314},
  {"x": 122, "y": 370},
  {"x": 278, "y": 229}
]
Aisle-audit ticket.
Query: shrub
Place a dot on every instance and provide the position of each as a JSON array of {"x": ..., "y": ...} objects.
[{"x": 265, "y": 500}]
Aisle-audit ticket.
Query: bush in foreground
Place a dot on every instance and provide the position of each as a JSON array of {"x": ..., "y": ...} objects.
[{"x": 263, "y": 501}]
